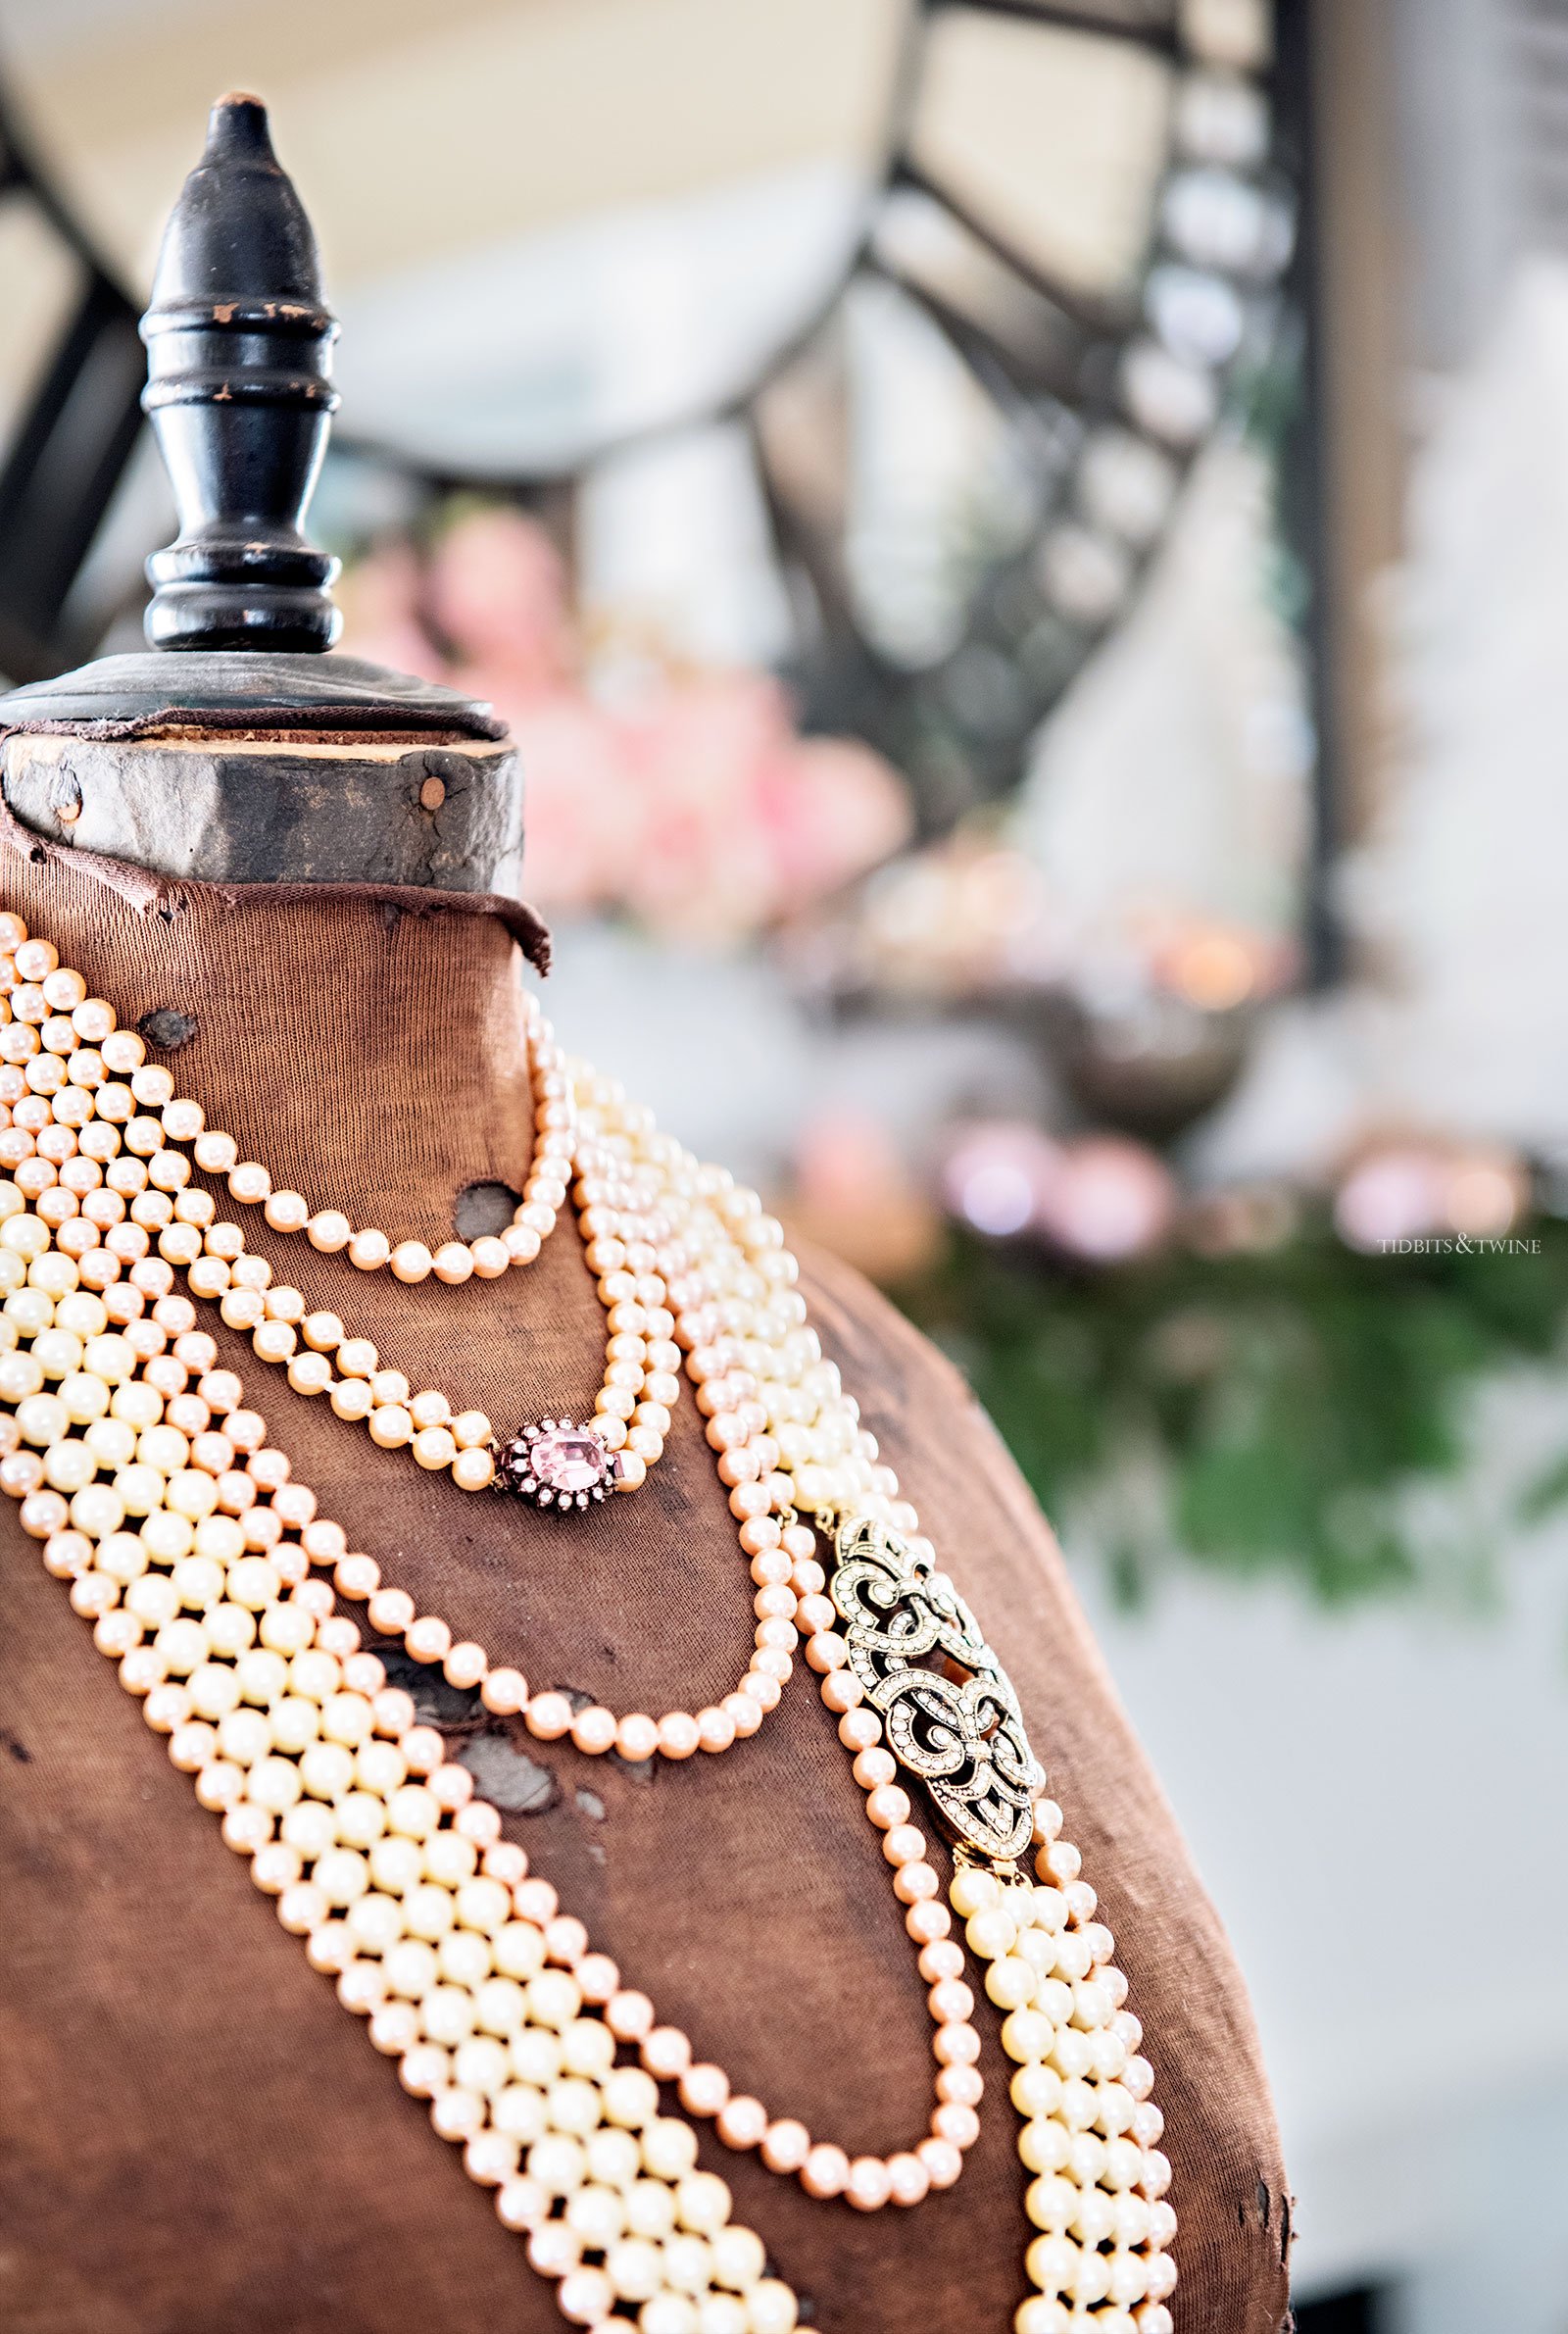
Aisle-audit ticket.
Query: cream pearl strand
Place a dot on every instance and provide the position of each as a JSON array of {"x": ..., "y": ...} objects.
[
  {"x": 1056, "y": 2083},
  {"x": 208, "y": 1434},
  {"x": 740, "y": 1454},
  {"x": 1091, "y": 2127},
  {"x": 1052, "y": 2062},
  {"x": 373, "y": 1843}
]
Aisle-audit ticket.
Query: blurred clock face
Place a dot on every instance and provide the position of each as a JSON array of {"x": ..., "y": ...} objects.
[{"x": 909, "y": 316}]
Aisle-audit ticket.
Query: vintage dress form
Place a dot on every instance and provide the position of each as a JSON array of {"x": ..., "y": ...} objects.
[{"x": 200, "y": 2138}]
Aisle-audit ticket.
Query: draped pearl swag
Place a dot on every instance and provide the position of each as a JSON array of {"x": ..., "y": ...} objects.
[{"x": 210, "y": 1579}]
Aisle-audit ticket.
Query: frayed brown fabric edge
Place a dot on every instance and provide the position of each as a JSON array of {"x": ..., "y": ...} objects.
[{"x": 168, "y": 896}]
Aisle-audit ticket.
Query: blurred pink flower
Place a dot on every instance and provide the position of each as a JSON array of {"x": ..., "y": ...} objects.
[
  {"x": 498, "y": 591},
  {"x": 580, "y": 810},
  {"x": 838, "y": 809},
  {"x": 1410, "y": 1189},
  {"x": 693, "y": 806},
  {"x": 380, "y": 600},
  {"x": 846, "y": 1160}
]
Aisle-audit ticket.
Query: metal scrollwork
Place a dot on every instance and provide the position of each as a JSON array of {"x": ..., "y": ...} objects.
[{"x": 952, "y": 1716}]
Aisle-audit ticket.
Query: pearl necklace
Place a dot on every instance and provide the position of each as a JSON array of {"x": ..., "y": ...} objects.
[
  {"x": 84, "y": 1196},
  {"x": 382, "y": 1856},
  {"x": 368, "y": 1249}
]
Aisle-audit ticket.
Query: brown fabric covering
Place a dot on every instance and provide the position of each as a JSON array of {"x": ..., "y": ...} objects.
[{"x": 199, "y": 2140}]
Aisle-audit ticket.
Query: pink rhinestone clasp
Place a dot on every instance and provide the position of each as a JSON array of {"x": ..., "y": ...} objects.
[{"x": 557, "y": 1465}]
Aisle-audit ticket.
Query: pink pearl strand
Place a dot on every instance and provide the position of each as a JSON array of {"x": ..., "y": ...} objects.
[
  {"x": 370, "y": 1249},
  {"x": 280, "y": 1517}
]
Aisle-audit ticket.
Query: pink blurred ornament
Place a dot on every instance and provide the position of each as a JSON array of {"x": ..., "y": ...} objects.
[
  {"x": 1392, "y": 1194},
  {"x": 1418, "y": 1189},
  {"x": 1000, "y": 1176},
  {"x": 854, "y": 1194},
  {"x": 1110, "y": 1200},
  {"x": 847, "y": 1158},
  {"x": 1485, "y": 1194}
]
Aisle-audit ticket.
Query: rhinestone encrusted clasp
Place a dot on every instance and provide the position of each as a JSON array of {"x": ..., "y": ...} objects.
[{"x": 556, "y": 1465}]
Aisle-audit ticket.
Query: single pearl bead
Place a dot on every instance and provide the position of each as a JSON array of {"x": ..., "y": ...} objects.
[
  {"x": 786, "y": 2146},
  {"x": 390, "y": 1610},
  {"x": 594, "y": 1730},
  {"x": 941, "y": 2161},
  {"x": 357, "y": 1577},
  {"x": 504, "y": 1692},
  {"x": 825, "y": 2171},
  {"x": 549, "y": 1716},
  {"x": 744, "y": 1713},
  {"x": 742, "y": 2123},
  {"x": 678, "y": 1734},
  {"x": 886, "y": 1804},
  {"x": 905, "y": 1844},
  {"x": 521, "y": 2203},
  {"x": 908, "y": 2181},
  {"x": 428, "y": 1639},
  {"x": 965, "y": 2085},
  {"x": 858, "y": 1729},
  {"x": 950, "y": 2001},
  {"x": 667, "y": 2052},
  {"x": 704, "y": 2090},
  {"x": 433, "y": 1449},
  {"x": 715, "y": 1730},
  {"x": 771, "y": 2308},
  {"x": 869, "y": 2185},
  {"x": 629, "y": 2015}
]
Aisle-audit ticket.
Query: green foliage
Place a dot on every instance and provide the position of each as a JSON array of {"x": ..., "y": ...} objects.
[{"x": 1265, "y": 1411}]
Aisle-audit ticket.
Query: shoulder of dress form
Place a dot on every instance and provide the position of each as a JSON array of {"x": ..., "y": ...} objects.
[{"x": 127, "y": 696}]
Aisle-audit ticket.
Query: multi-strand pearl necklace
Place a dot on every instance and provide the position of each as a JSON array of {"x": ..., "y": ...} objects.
[
  {"x": 141, "y": 1189},
  {"x": 156, "y": 1493}
]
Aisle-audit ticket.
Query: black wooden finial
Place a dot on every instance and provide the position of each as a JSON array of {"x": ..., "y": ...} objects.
[{"x": 239, "y": 391}]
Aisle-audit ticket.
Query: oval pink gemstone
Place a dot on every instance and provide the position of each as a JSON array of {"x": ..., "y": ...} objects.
[{"x": 569, "y": 1460}]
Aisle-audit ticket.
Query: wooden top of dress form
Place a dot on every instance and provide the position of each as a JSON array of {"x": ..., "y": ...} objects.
[
  {"x": 205, "y": 755},
  {"x": 204, "y": 2142}
]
